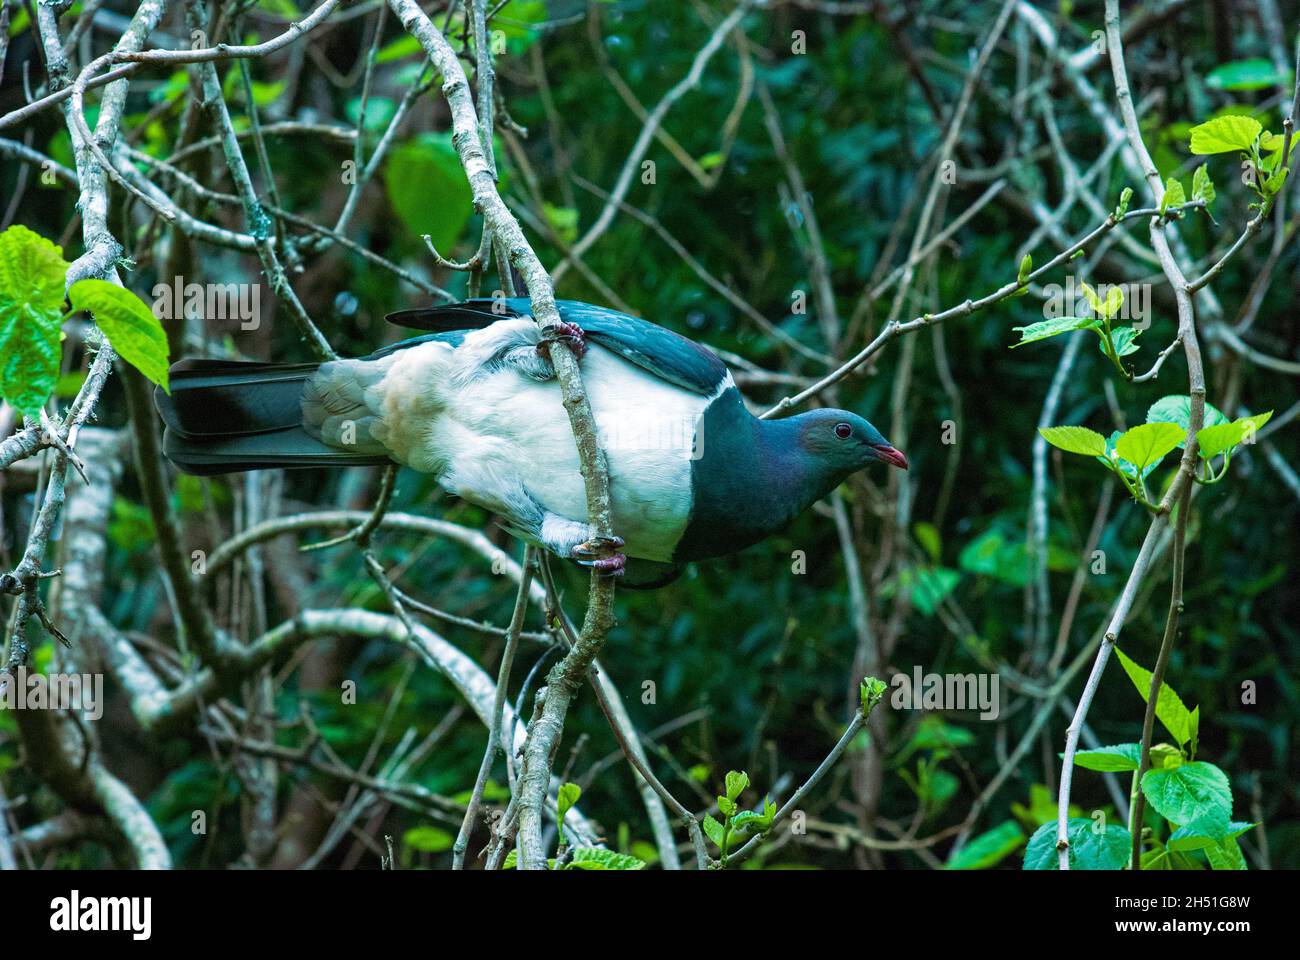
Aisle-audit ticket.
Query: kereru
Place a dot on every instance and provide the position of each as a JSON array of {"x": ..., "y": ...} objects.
[{"x": 475, "y": 403}]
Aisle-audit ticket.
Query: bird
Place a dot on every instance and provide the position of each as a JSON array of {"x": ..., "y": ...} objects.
[{"x": 475, "y": 402}]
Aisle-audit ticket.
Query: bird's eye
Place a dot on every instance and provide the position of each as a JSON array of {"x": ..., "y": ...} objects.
[{"x": 843, "y": 431}]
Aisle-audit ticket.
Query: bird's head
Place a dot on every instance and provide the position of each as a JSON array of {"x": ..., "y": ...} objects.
[{"x": 845, "y": 441}]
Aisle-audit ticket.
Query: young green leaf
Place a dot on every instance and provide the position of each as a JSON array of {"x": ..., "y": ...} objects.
[
  {"x": 1188, "y": 793},
  {"x": 32, "y": 271},
  {"x": 1111, "y": 459},
  {"x": 1274, "y": 183},
  {"x": 871, "y": 691},
  {"x": 1051, "y": 328},
  {"x": 1148, "y": 443},
  {"x": 1125, "y": 196},
  {"x": 1022, "y": 275},
  {"x": 1170, "y": 709},
  {"x": 567, "y": 797},
  {"x": 1217, "y": 439},
  {"x": 129, "y": 324},
  {"x": 1222, "y": 437},
  {"x": 1166, "y": 755},
  {"x": 1122, "y": 340},
  {"x": 1094, "y": 301},
  {"x": 1122, "y": 756},
  {"x": 736, "y": 784},
  {"x": 1224, "y": 135},
  {"x": 1114, "y": 301},
  {"x": 1079, "y": 440},
  {"x": 1174, "y": 195},
  {"x": 713, "y": 830},
  {"x": 1203, "y": 186}
]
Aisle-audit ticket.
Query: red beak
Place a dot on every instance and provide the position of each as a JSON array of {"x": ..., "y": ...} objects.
[{"x": 891, "y": 456}]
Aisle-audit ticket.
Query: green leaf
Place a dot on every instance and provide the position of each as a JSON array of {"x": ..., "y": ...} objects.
[
  {"x": 935, "y": 733},
  {"x": 594, "y": 858},
  {"x": 713, "y": 830},
  {"x": 870, "y": 692},
  {"x": 568, "y": 796},
  {"x": 403, "y": 46},
  {"x": 1203, "y": 186},
  {"x": 564, "y": 220},
  {"x": 32, "y": 271},
  {"x": 1170, "y": 709},
  {"x": 1225, "y": 135},
  {"x": 1148, "y": 443},
  {"x": 727, "y": 807},
  {"x": 927, "y": 535},
  {"x": 1174, "y": 195},
  {"x": 1090, "y": 848},
  {"x": 1075, "y": 440},
  {"x": 736, "y": 784},
  {"x": 1253, "y": 74},
  {"x": 1206, "y": 832},
  {"x": 1114, "y": 301},
  {"x": 1222, "y": 437},
  {"x": 1225, "y": 855},
  {"x": 989, "y": 848},
  {"x": 428, "y": 839},
  {"x": 1094, "y": 301},
  {"x": 1122, "y": 340},
  {"x": 1189, "y": 793},
  {"x": 1022, "y": 275},
  {"x": 1213, "y": 441},
  {"x": 1274, "y": 183},
  {"x": 1052, "y": 328},
  {"x": 1112, "y": 457},
  {"x": 428, "y": 189},
  {"x": 1176, "y": 409},
  {"x": 1166, "y": 755},
  {"x": 129, "y": 324},
  {"x": 1125, "y": 196},
  {"x": 1120, "y": 757},
  {"x": 750, "y": 822},
  {"x": 925, "y": 588}
]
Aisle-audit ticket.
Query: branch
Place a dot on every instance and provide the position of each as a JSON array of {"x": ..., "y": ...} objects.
[
  {"x": 1196, "y": 418},
  {"x": 568, "y": 675}
]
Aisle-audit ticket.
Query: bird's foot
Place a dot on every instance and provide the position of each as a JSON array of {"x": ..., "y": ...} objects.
[
  {"x": 570, "y": 333},
  {"x": 601, "y": 554}
]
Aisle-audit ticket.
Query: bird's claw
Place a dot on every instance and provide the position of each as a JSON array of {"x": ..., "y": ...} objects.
[
  {"x": 600, "y": 554},
  {"x": 570, "y": 333}
]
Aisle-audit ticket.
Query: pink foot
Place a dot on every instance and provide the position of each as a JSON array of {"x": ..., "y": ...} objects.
[
  {"x": 595, "y": 553},
  {"x": 570, "y": 332}
]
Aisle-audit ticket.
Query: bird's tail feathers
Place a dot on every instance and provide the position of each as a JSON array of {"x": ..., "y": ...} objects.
[{"x": 225, "y": 416}]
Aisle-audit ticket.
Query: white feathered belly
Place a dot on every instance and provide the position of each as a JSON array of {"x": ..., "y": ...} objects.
[{"x": 501, "y": 428}]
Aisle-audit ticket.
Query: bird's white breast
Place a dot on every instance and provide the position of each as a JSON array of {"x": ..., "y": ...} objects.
[{"x": 501, "y": 427}]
